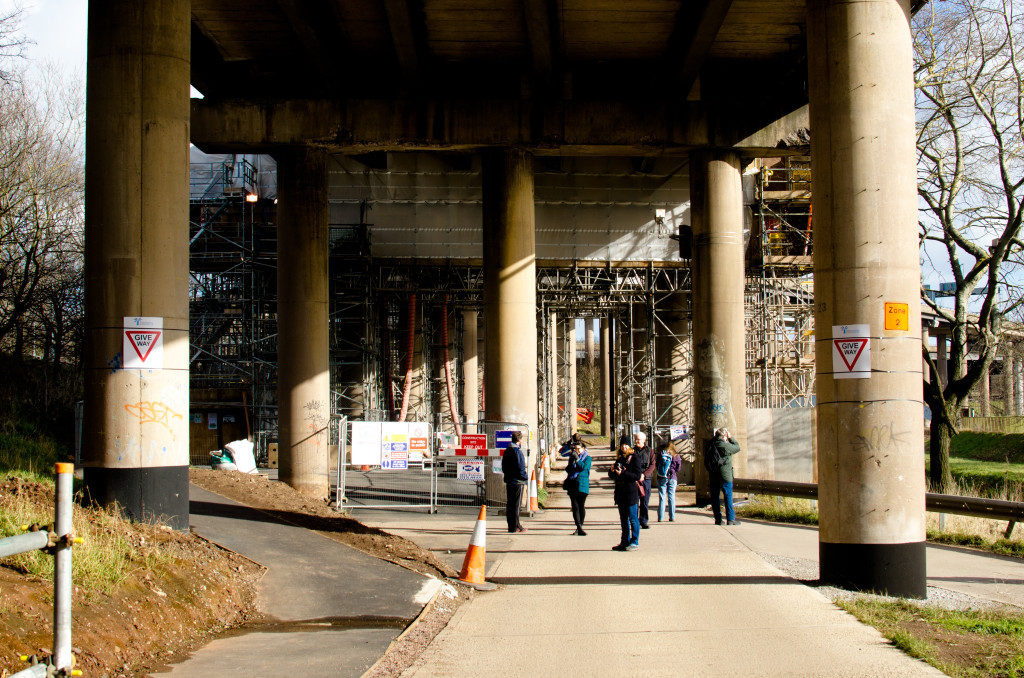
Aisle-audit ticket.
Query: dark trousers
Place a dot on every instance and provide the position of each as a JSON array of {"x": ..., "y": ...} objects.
[
  {"x": 514, "y": 494},
  {"x": 719, "y": 488},
  {"x": 644, "y": 500},
  {"x": 579, "y": 507}
]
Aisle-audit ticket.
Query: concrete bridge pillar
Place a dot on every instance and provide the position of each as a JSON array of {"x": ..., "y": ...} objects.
[
  {"x": 588, "y": 341},
  {"x": 1018, "y": 383},
  {"x": 571, "y": 400},
  {"x": 135, "y": 442},
  {"x": 866, "y": 274},
  {"x": 606, "y": 388},
  {"x": 719, "y": 371},
  {"x": 303, "y": 366},
  {"x": 470, "y": 375},
  {"x": 510, "y": 288}
]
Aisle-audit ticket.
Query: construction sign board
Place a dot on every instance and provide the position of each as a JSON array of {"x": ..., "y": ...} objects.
[
  {"x": 366, "y": 443},
  {"x": 502, "y": 439},
  {"x": 143, "y": 344},
  {"x": 471, "y": 441},
  {"x": 471, "y": 470},
  {"x": 851, "y": 352},
  {"x": 897, "y": 316}
]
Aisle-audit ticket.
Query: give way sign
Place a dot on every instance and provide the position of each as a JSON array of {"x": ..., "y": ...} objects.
[
  {"x": 851, "y": 352},
  {"x": 143, "y": 347}
]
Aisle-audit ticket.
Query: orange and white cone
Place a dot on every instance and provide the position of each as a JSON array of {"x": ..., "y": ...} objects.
[
  {"x": 533, "y": 492},
  {"x": 540, "y": 475},
  {"x": 476, "y": 556}
]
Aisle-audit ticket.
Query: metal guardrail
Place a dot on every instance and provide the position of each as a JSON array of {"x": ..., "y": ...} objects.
[
  {"x": 58, "y": 544},
  {"x": 977, "y": 507}
]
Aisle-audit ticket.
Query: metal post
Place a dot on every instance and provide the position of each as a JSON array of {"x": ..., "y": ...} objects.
[{"x": 62, "y": 568}]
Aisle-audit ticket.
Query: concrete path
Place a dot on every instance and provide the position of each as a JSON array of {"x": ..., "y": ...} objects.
[
  {"x": 695, "y": 600},
  {"x": 337, "y": 609}
]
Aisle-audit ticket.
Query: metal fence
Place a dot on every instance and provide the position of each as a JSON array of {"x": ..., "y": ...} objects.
[
  {"x": 399, "y": 474},
  {"x": 456, "y": 487}
]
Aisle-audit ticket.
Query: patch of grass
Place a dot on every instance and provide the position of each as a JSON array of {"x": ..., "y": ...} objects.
[
  {"x": 106, "y": 558},
  {"x": 962, "y": 643},
  {"x": 27, "y": 452},
  {"x": 1004, "y": 447},
  {"x": 780, "y": 510}
]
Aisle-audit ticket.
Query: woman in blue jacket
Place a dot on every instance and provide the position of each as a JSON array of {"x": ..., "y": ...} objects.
[{"x": 577, "y": 480}]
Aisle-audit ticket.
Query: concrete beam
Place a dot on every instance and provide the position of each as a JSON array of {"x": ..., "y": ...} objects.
[{"x": 560, "y": 128}]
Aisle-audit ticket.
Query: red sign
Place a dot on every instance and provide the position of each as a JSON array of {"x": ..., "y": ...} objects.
[
  {"x": 417, "y": 443},
  {"x": 474, "y": 441},
  {"x": 850, "y": 350},
  {"x": 142, "y": 341}
]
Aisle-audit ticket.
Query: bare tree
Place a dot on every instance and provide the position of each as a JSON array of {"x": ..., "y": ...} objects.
[
  {"x": 41, "y": 208},
  {"x": 970, "y": 180}
]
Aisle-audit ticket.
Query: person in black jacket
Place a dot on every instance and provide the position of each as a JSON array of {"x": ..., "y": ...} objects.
[
  {"x": 720, "y": 476},
  {"x": 513, "y": 466},
  {"x": 627, "y": 474},
  {"x": 643, "y": 453}
]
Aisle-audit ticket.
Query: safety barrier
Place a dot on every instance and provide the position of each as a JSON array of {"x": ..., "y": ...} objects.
[
  {"x": 383, "y": 464},
  {"x": 469, "y": 466},
  {"x": 57, "y": 542},
  {"x": 976, "y": 507}
]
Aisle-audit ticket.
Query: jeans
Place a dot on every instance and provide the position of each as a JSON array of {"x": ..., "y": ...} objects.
[
  {"x": 630, "y": 525},
  {"x": 579, "y": 507},
  {"x": 644, "y": 501},
  {"x": 514, "y": 494},
  {"x": 719, "y": 488},
  {"x": 667, "y": 487}
]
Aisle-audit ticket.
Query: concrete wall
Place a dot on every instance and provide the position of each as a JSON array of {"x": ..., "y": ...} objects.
[{"x": 781, "y": 444}]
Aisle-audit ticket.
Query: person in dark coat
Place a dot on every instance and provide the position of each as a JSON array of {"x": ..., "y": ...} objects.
[
  {"x": 513, "y": 466},
  {"x": 577, "y": 480},
  {"x": 722, "y": 477},
  {"x": 626, "y": 473},
  {"x": 643, "y": 453}
]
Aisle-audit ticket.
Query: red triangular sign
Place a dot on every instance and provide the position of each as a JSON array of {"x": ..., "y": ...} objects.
[
  {"x": 850, "y": 350},
  {"x": 142, "y": 341}
]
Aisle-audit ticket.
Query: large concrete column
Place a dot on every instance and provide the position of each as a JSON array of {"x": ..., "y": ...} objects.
[
  {"x": 871, "y": 470},
  {"x": 606, "y": 387},
  {"x": 571, "y": 389},
  {"x": 1008, "y": 386},
  {"x": 135, "y": 440},
  {"x": 673, "y": 358},
  {"x": 303, "y": 374},
  {"x": 942, "y": 358},
  {"x": 1018, "y": 384},
  {"x": 984, "y": 395},
  {"x": 510, "y": 288},
  {"x": 470, "y": 378},
  {"x": 556, "y": 431},
  {"x": 588, "y": 340},
  {"x": 719, "y": 372}
]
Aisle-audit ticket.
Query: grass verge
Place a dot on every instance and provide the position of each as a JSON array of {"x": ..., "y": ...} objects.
[{"x": 960, "y": 643}]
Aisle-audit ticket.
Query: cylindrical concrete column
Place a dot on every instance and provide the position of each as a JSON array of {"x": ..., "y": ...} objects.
[
  {"x": 470, "y": 378},
  {"x": 571, "y": 391},
  {"x": 510, "y": 288},
  {"x": 942, "y": 358},
  {"x": 867, "y": 286},
  {"x": 1008, "y": 385},
  {"x": 303, "y": 361},
  {"x": 135, "y": 440},
  {"x": 588, "y": 340},
  {"x": 673, "y": 354},
  {"x": 719, "y": 371},
  {"x": 984, "y": 396},
  {"x": 556, "y": 430},
  {"x": 1018, "y": 384},
  {"x": 606, "y": 387}
]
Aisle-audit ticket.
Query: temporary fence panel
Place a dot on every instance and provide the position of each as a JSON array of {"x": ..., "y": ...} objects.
[
  {"x": 469, "y": 465},
  {"x": 385, "y": 464}
]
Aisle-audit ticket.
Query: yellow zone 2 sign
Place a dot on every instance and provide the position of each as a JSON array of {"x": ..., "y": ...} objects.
[{"x": 897, "y": 316}]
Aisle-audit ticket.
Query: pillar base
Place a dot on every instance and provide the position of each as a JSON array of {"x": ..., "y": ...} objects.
[
  {"x": 891, "y": 569},
  {"x": 157, "y": 494}
]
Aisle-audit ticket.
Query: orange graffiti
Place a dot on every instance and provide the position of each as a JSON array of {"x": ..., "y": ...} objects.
[{"x": 153, "y": 413}]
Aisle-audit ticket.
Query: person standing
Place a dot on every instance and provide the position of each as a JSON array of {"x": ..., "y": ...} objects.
[
  {"x": 627, "y": 476},
  {"x": 668, "y": 462},
  {"x": 513, "y": 466},
  {"x": 718, "y": 454},
  {"x": 643, "y": 453},
  {"x": 577, "y": 480}
]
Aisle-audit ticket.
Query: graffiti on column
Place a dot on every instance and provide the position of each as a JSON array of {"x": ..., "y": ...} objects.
[
  {"x": 713, "y": 394},
  {"x": 316, "y": 417}
]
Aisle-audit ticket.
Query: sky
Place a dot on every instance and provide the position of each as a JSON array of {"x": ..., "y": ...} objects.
[{"x": 58, "y": 28}]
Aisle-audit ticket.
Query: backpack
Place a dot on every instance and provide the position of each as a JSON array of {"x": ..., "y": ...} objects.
[
  {"x": 713, "y": 459},
  {"x": 664, "y": 461}
]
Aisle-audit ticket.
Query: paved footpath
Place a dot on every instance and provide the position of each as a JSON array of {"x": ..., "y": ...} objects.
[{"x": 695, "y": 600}]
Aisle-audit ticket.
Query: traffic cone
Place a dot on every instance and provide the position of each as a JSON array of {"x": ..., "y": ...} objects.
[
  {"x": 475, "y": 563},
  {"x": 540, "y": 473},
  {"x": 533, "y": 492}
]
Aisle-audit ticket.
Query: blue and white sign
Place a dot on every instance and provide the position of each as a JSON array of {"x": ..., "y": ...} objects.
[{"x": 502, "y": 439}]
